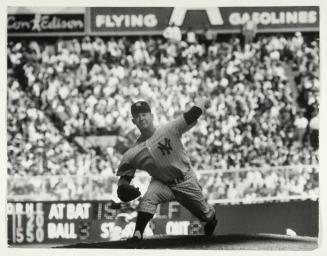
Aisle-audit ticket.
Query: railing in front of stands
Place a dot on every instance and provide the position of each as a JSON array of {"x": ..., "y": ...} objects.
[{"x": 231, "y": 186}]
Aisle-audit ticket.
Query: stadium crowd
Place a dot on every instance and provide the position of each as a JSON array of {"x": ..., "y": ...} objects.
[
  {"x": 267, "y": 183},
  {"x": 85, "y": 87}
]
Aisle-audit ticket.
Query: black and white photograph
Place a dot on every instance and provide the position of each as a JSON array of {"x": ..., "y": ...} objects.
[{"x": 181, "y": 127}]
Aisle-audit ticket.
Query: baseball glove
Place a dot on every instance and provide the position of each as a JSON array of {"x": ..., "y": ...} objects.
[{"x": 128, "y": 192}]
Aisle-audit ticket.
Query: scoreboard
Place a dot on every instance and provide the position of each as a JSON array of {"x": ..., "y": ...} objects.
[
  {"x": 90, "y": 221},
  {"x": 25, "y": 222}
]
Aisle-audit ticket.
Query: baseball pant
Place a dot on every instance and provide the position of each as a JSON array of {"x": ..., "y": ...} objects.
[{"x": 188, "y": 193}]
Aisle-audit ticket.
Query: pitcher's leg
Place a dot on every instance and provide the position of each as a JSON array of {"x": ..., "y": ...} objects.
[
  {"x": 189, "y": 194},
  {"x": 157, "y": 193}
]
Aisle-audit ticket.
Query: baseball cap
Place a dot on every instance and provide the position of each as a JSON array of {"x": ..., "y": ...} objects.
[{"x": 140, "y": 107}]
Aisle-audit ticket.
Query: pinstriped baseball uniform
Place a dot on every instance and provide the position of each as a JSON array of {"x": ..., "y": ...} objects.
[{"x": 164, "y": 158}]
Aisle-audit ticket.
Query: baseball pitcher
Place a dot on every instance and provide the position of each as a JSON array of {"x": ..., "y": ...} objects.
[{"x": 160, "y": 152}]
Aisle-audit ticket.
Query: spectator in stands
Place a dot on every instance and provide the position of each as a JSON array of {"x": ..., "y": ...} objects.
[
  {"x": 168, "y": 32},
  {"x": 208, "y": 36},
  {"x": 314, "y": 131},
  {"x": 191, "y": 37},
  {"x": 249, "y": 31},
  {"x": 176, "y": 33},
  {"x": 301, "y": 124}
]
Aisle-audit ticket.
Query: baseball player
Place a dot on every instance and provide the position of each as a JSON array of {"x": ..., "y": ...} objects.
[{"x": 160, "y": 152}]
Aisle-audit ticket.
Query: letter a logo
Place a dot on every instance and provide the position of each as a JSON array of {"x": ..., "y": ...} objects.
[
  {"x": 179, "y": 14},
  {"x": 166, "y": 147}
]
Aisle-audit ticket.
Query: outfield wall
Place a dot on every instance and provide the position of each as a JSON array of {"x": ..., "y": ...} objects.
[
  {"x": 301, "y": 216},
  {"x": 99, "y": 221}
]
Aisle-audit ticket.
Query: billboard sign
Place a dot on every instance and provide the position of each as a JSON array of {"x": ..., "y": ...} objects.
[
  {"x": 133, "y": 20},
  {"x": 45, "y": 23},
  {"x": 122, "y": 19}
]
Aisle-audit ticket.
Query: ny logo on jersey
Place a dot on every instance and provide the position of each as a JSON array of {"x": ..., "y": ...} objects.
[{"x": 166, "y": 147}]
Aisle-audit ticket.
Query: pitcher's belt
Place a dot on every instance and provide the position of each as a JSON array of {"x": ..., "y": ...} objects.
[{"x": 178, "y": 179}]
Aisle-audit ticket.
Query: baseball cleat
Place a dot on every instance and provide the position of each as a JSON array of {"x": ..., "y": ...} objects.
[
  {"x": 137, "y": 236},
  {"x": 135, "y": 241},
  {"x": 210, "y": 226}
]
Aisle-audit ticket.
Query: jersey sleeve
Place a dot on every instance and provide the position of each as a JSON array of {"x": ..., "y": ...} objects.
[
  {"x": 125, "y": 167},
  {"x": 180, "y": 126}
]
